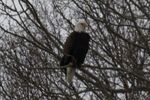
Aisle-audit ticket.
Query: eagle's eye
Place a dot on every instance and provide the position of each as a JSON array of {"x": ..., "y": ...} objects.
[{"x": 82, "y": 24}]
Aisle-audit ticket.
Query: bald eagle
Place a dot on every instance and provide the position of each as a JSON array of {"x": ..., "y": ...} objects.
[{"x": 75, "y": 50}]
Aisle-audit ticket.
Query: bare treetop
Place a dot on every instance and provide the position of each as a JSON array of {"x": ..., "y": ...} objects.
[{"x": 32, "y": 34}]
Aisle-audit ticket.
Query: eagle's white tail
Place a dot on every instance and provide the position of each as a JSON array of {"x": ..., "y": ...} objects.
[{"x": 70, "y": 72}]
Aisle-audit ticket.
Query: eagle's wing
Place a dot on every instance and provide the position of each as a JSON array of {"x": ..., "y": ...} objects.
[
  {"x": 68, "y": 49},
  {"x": 68, "y": 46}
]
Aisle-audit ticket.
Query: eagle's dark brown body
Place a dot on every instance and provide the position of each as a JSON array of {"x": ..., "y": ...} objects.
[{"x": 76, "y": 46}]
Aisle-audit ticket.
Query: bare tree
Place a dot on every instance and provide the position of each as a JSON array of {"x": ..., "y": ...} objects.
[{"x": 32, "y": 33}]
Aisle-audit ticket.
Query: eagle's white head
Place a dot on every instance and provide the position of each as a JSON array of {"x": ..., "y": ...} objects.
[{"x": 80, "y": 27}]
